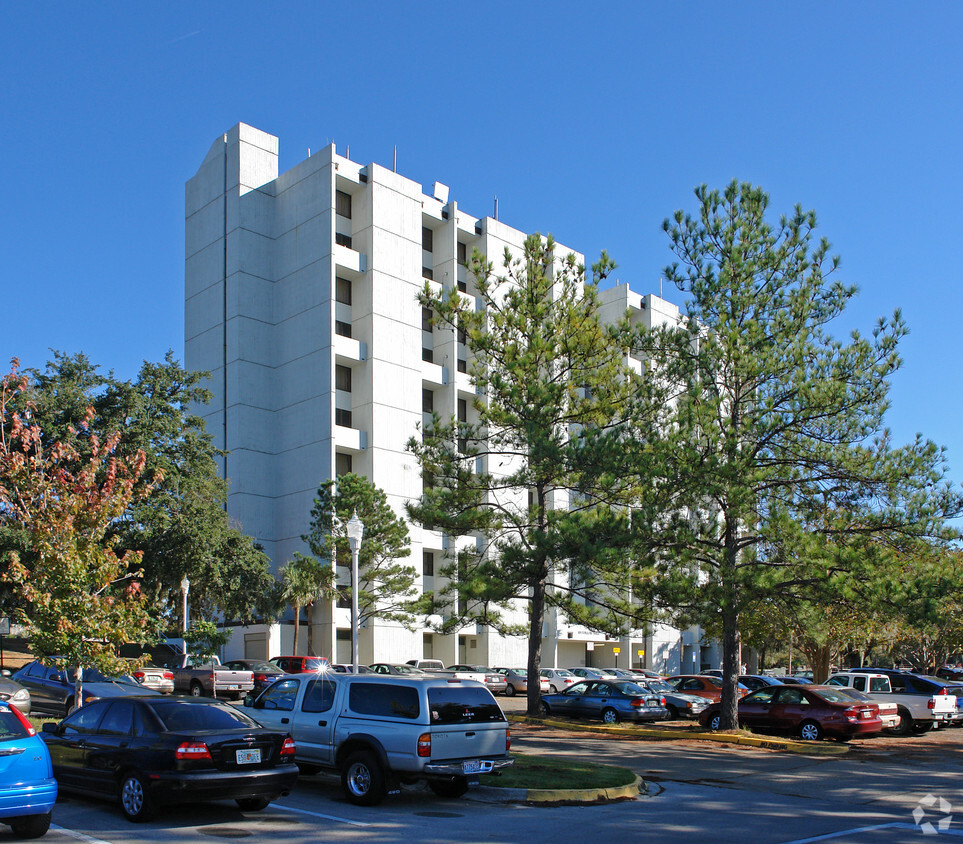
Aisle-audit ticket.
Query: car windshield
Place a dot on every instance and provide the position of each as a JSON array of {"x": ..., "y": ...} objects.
[
  {"x": 852, "y": 693},
  {"x": 659, "y": 686},
  {"x": 519, "y": 672},
  {"x": 629, "y": 688},
  {"x": 407, "y": 669},
  {"x": 189, "y": 716},
  {"x": 11, "y": 727}
]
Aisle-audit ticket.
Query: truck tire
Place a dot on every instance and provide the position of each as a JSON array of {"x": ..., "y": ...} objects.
[
  {"x": 196, "y": 689},
  {"x": 362, "y": 779},
  {"x": 450, "y": 788},
  {"x": 905, "y": 724}
]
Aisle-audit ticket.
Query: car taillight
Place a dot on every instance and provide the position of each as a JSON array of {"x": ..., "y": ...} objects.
[
  {"x": 260, "y": 678},
  {"x": 931, "y": 704},
  {"x": 424, "y": 744},
  {"x": 289, "y": 748},
  {"x": 139, "y": 676},
  {"x": 212, "y": 678},
  {"x": 508, "y": 740},
  {"x": 22, "y": 719},
  {"x": 192, "y": 750},
  {"x": 168, "y": 675},
  {"x": 661, "y": 701},
  {"x": 637, "y": 702}
]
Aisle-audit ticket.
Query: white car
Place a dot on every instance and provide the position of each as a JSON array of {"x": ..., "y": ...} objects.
[{"x": 583, "y": 672}]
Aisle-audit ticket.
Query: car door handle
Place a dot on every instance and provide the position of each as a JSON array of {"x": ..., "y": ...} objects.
[
  {"x": 322, "y": 723},
  {"x": 285, "y": 720}
]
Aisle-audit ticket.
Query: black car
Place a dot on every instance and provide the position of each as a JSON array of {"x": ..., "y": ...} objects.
[
  {"x": 149, "y": 752},
  {"x": 53, "y": 688}
]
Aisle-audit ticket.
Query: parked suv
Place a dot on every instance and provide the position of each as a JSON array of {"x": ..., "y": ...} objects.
[{"x": 379, "y": 731}]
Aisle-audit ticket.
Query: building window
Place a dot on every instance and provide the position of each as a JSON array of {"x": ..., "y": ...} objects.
[
  {"x": 427, "y": 272},
  {"x": 343, "y": 240},
  {"x": 462, "y": 287},
  {"x": 342, "y": 464},
  {"x": 462, "y": 365},
  {"x": 463, "y": 420},
  {"x": 342, "y": 417},
  {"x": 427, "y": 401},
  {"x": 427, "y": 354},
  {"x": 428, "y": 563},
  {"x": 462, "y": 253},
  {"x": 342, "y": 204},
  {"x": 462, "y": 334},
  {"x": 427, "y": 239},
  {"x": 344, "y": 602},
  {"x": 343, "y": 329},
  {"x": 342, "y": 378},
  {"x": 342, "y": 290},
  {"x": 426, "y": 319}
]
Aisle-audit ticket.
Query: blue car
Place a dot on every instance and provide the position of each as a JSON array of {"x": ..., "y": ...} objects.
[{"x": 28, "y": 789}]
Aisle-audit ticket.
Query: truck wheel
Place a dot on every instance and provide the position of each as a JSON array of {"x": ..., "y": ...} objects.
[
  {"x": 252, "y": 804},
  {"x": 362, "y": 779},
  {"x": 905, "y": 723},
  {"x": 196, "y": 690},
  {"x": 450, "y": 788}
]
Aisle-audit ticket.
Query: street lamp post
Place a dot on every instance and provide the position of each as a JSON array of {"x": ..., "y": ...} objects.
[
  {"x": 185, "y": 588},
  {"x": 355, "y": 532}
]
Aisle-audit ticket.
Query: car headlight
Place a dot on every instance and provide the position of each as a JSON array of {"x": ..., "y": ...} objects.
[{"x": 21, "y": 694}]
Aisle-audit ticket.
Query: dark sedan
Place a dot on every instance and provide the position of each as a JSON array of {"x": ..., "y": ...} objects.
[
  {"x": 150, "y": 752},
  {"x": 808, "y": 711},
  {"x": 610, "y": 700},
  {"x": 54, "y": 690}
]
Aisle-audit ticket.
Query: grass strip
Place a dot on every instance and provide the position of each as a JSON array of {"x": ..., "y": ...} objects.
[{"x": 551, "y": 772}]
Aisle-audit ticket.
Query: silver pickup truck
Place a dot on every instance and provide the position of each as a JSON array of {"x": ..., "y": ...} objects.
[
  {"x": 378, "y": 731},
  {"x": 206, "y": 676}
]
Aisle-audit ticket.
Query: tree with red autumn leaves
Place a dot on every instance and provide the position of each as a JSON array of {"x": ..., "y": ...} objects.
[{"x": 82, "y": 598}]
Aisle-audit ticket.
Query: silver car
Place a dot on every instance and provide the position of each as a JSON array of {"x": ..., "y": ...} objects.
[
  {"x": 559, "y": 679},
  {"x": 12, "y": 692},
  {"x": 516, "y": 681}
]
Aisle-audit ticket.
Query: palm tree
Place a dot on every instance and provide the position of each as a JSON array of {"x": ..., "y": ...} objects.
[{"x": 305, "y": 580}]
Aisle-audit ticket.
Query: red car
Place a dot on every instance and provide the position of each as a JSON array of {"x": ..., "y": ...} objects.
[
  {"x": 808, "y": 711},
  {"x": 300, "y": 664},
  {"x": 702, "y": 685}
]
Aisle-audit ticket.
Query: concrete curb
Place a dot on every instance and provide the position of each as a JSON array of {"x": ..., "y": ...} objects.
[
  {"x": 633, "y": 733},
  {"x": 555, "y": 796}
]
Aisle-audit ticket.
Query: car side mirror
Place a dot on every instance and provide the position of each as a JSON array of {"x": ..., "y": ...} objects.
[
  {"x": 49, "y": 727},
  {"x": 248, "y": 701}
]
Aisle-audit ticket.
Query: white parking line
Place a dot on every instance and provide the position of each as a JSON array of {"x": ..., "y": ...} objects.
[
  {"x": 829, "y": 836},
  {"x": 319, "y": 815},
  {"x": 78, "y": 835}
]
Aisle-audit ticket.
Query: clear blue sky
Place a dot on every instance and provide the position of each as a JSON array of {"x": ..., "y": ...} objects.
[{"x": 591, "y": 121}]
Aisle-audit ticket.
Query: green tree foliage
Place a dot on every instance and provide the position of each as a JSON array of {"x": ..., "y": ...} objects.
[
  {"x": 180, "y": 527},
  {"x": 81, "y": 598},
  {"x": 387, "y": 584},
  {"x": 304, "y": 581},
  {"x": 778, "y": 427},
  {"x": 517, "y": 476}
]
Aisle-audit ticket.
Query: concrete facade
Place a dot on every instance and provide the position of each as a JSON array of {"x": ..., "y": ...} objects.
[{"x": 301, "y": 302}]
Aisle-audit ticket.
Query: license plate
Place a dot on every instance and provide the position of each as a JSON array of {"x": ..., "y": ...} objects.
[
  {"x": 471, "y": 766},
  {"x": 232, "y": 688},
  {"x": 867, "y": 714},
  {"x": 249, "y": 757}
]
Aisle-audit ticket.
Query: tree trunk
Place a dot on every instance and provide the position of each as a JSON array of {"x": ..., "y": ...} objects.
[
  {"x": 730, "y": 669},
  {"x": 535, "y": 646},
  {"x": 297, "y": 624}
]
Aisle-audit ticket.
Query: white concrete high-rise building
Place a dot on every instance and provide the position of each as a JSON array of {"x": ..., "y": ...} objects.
[{"x": 301, "y": 302}]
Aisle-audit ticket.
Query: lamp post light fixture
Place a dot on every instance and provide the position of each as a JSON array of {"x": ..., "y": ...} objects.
[
  {"x": 185, "y": 588},
  {"x": 355, "y": 532}
]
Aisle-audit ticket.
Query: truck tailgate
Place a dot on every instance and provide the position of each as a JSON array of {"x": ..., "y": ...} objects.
[{"x": 468, "y": 742}]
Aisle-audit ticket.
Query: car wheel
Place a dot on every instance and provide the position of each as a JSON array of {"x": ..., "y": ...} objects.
[
  {"x": 449, "y": 789},
  {"x": 252, "y": 804},
  {"x": 196, "y": 690},
  {"x": 671, "y": 713},
  {"x": 714, "y": 722},
  {"x": 362, "y": 779},
  {"x": 509, "y": 690},
  {"x": 543, "y": 709},
  {"x": 810, "y": 731},
  {"x": 30, "y": 826},
  {"x": 905, "y": 724},
  {"x": 135, "y": 798},
  {"x": 553, "y": 689},
  {"x": 610, "y": 716}
]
